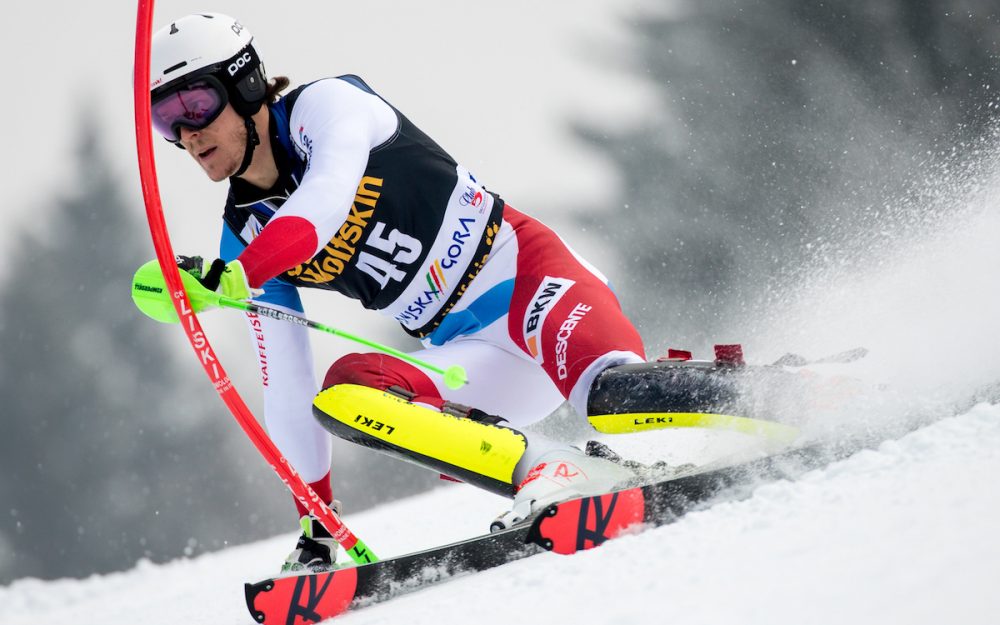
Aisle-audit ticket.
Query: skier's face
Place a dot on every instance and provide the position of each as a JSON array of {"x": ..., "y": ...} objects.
[{"x": 218, "y": 147}]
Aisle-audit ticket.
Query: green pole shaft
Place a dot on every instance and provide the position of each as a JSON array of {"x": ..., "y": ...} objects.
[{"x": 273, "y": 313}]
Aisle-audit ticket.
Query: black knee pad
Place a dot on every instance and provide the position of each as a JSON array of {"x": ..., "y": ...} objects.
[{"x": 662, "y": 387}]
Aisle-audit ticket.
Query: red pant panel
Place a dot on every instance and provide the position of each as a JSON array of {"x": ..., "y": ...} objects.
[
  {"x": 381, "y": 371},
  {"x": 562, "y": 314}
]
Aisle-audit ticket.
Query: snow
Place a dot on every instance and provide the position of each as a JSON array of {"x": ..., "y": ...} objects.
[{"x": 905, "y": 533}]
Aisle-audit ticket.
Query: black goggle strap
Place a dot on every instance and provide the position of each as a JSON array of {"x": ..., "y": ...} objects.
[{"x": 253, "y": 140}]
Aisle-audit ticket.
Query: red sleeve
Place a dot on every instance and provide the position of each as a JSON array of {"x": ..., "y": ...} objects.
[{"x": 282, "y": 244}]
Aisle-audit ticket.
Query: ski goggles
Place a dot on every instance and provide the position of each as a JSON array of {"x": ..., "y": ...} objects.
[{"x": 194, "y": 105}]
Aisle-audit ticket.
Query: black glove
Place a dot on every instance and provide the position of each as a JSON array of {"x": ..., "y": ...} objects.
[{"x": 195, "y": 265}]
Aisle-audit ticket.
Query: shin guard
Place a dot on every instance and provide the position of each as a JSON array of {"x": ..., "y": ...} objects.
[{"x": 480, "y": 453}]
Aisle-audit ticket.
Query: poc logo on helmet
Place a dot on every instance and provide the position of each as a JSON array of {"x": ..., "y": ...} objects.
[{"x": 239, "y": 63}]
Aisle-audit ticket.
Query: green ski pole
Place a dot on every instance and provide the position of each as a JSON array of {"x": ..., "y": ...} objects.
[{"x": 149, "y": 292}]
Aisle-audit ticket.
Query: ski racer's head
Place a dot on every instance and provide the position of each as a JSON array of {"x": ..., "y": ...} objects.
[{"x": 208, "y": 88}]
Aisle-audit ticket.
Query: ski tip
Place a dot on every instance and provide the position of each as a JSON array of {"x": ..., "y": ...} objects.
[
  {"x": 251, "y": 591},
  {"x": 302, "y": 599}
]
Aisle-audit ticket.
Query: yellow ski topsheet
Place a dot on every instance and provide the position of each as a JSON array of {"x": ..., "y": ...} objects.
[
  {"x": 486, "y": 450},
  {"x": 644, "y": 421}
]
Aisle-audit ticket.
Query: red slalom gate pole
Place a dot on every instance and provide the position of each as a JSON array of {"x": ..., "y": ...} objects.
[{"x": 358, "y": 551}]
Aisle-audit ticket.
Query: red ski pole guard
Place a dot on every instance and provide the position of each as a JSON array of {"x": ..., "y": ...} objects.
[{"x": 189, "y": 321}]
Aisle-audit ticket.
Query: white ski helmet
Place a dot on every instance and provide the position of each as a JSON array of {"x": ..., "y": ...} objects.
[{"x": 208, "y": 44}]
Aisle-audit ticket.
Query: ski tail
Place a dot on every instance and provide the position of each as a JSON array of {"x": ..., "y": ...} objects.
[
  {"x": 587, "y": 522},
  {"x": 580, "y": 524},
  {"x": 301, "y": 600}
]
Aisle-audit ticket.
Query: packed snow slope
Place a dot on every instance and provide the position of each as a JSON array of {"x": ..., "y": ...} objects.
[{"x": 905, "y": 533}]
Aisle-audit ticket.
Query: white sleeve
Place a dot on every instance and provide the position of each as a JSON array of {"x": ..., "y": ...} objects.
[
  {"x": 335, "y": 125},
  {"x": 286, "y": 368}
]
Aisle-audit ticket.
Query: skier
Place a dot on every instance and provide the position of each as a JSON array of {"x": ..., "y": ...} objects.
[{"x": 331, "y": 187}]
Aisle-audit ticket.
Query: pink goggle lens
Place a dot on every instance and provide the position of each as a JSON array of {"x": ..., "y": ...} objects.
[{"x": 195, "y": 106}]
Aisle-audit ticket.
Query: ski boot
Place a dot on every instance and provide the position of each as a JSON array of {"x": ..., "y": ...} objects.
[
  {"x": 559, "y": 475},
  {"x": 316, "y": 551}
]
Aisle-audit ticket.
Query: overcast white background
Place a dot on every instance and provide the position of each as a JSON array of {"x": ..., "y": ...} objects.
[{"x": 495, "y": 83}]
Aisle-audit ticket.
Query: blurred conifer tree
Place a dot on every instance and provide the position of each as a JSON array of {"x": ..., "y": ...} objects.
[
  {"x": 789, "y": 133},
  {"x": 110, "y": 451}
]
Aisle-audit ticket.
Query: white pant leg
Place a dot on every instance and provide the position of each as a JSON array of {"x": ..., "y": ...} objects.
[
  {"x": 500, "y": 383},
  {"x": 503, "y": 379},
  {"x": 286, "y": 366}
]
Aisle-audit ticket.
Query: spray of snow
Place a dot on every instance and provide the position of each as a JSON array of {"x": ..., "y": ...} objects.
[{"x": 916, "y": 287}]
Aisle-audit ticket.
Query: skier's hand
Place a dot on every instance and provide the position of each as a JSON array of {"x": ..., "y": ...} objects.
[
  {"x": 203, "y": 285},
  {"x": 227, "y": 279}
]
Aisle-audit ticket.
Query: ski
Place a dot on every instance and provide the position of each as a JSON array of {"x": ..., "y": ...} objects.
[
  {"x": 587, "y": 522},
  {"x": 565, "y": 527},
  {"x": 311, "y": 598}
]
